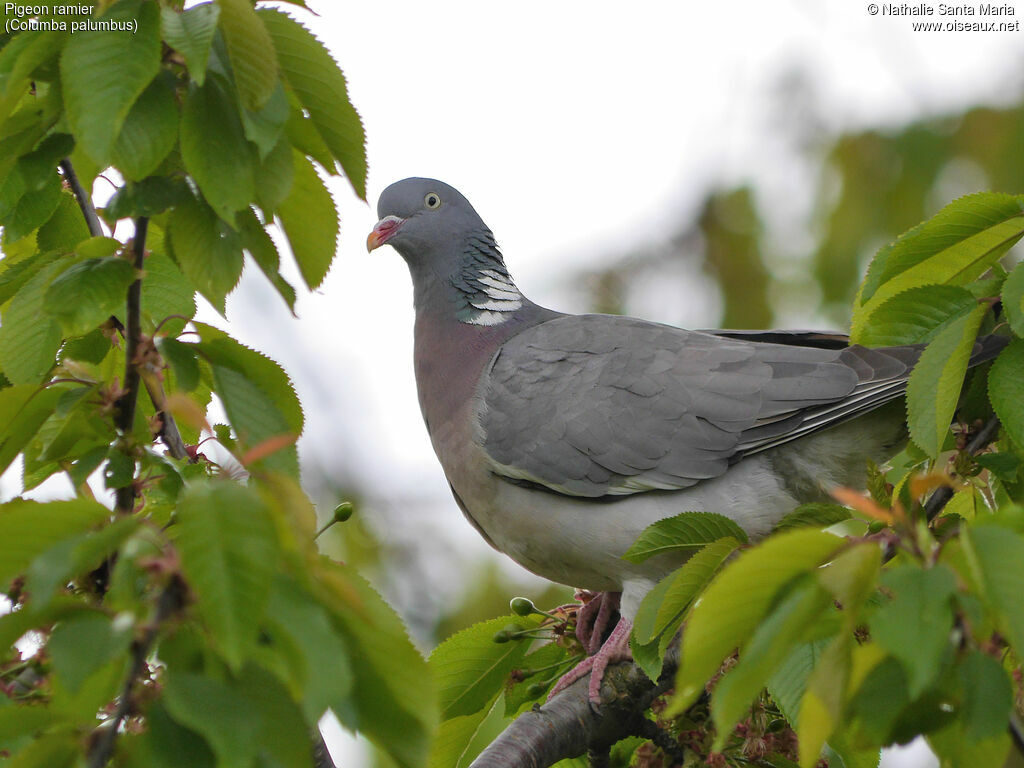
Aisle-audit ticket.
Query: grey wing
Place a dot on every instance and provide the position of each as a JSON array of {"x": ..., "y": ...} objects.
[{"x": 596, "y": 405}]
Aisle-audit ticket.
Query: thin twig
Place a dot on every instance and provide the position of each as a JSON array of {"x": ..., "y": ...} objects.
[
  {"x": 125, "y": 417},
  {"x": 84, "y": 198},
  {"x": 940, "y": 498},
  {"x": 101, "y": 744}
]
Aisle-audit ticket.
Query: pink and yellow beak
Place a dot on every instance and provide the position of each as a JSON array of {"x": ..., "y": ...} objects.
[{"x": 383, "y": 231}]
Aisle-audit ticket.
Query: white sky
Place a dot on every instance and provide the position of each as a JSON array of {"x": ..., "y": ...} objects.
[{"x": 575, "y": 128}]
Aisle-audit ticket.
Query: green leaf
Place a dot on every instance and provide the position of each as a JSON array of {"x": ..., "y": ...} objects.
[
  {"x": 789, "y": 679},
  {"x": 251, "y": 52},
  {"x": 954, "y": 247},
  {"x": 149, "y": 197},
  {"x": 165, "y": 291},
  {"x": 915, "y": 626},
  {"x": 450, "y": 747},
  {"x": 320, "y": 86},
  {"x": 821, "y": 706},
  {"x": 1013, "y": 299},
  {"x": 215, "y": 150},
  {"x": 916, "y": 315},
  {"x": 816, "y": 514},
  {"x": 23, "y": 55},
  {"x": 150, "y": 131},
  {"x": 83, "y": 644},
  {"x": 52, "y": 750},
  {"x": 394, "y": 705},
  {"x": 65, "y": 229},
  {"x": 23, "y": 409},
  {"x": 191, "y": 34},
  {"x": 935, "y": 383},
  {"x": 28, "y": 528},
  {"x": 310, "y": 222},
  {"x": 165, "y": 744},
  {"x": 182, "y": 358},
  {"x": 1006, "y": 390},
  {"x": 956, "y": 751},
  {"x": 732, "y": 606},
  {"x": 274, "y": 177},
  {"x": 207, "y": 250},
  {"x": 86, "y": 294},
  {"x": 988, "y": 696},
  {"x": 229, "y": 722},
  {"x": 326, "y": 675},
  {"x": 265, "y": 127},
  {"x": 662, "y": 609},
  {"x": 261, "y": 247},
  {"x": 685, "y": 531},
  {"x": 996, "y": 557},
  {"x": 228, "y": 549},
  {"x": 104, "y": 71},
  {"x": 774, "y": 639},
  {"x": 29, "y": 340},
  {"x": 31, "y": 209},
  {"x": 471, "y": 669},
  {"x": 221, "y": 350}
]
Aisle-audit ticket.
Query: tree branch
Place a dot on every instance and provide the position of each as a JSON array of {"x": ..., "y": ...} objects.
[
  {"x": 101, "y": 742},
  {"x": 567, "y": 726},
  {"x": 941, "y": 496},
  {"x": 125, "y": 417},
  {"x": 84, "y": 198}
]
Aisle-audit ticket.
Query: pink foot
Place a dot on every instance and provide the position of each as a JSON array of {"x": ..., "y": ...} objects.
[{"x": 615, "y": 648}]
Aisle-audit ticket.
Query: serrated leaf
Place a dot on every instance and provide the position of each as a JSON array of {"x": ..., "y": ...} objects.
[
  {"x": 28, "y": 339},
  {"x": 935, "y": 383},
  {"x": 310, "y": 222},
  {"x": 32, "y": 209},
  {"x": 104, "y": 71},
  {"x": 19, "y": 58},
  {"x": 789, "y": 679},
  {"x": 454, "y": 737},
  {"x": 65, "y": 229},
  {"x": 14, "y": 272},
  {"x": 470, "y": 669},
  {"x": 323, "y": 661},
  {"x": 149, "y": 197},
  {"x": 23, "y": 409},
  {"x": 182, "y": 358},
  {"x": 662, "y": 609},
  {"x": 772, "y": 641},
  {"x": 988, "y": 696},
  {"x": 220, "y": 349},
  {"x": 319, "y": 85},
  {"x": 29, "y": 528},
  {"x": 954, "y": 247},
  {"x": 149, "y": 132},
  {"x": 207, "y": 250},
  {"x": 732, "y": 606},
  {"x": 228, "y": 549},
  {"x": 265, "y": 127},
  {"x": 229, "y": 722},
  {"x": 251, "y": 51},
  {"x": 996, "y": 558},
  {"x": 915, "y": 626},
  {"x": 684, "y": 532},
  {"x": 816, "y": 514},
  {"x": 274, "y": 177},
  {"x": 1013, "y": 299},
  {"x": 82, "y": 644},
  {"x": 260, "y": 246},
  {"x": 165, "y": 291},
  {"x": 1006, "y": 390},
  {"x": 86, "y": 294},
  {"x": 191, "y": 34},
  {"x": 396, "y": 705},
  {"x": 821, "y": 705},
  {"x": 916, "y": 315},
  {"x": 215, "y": 150}
]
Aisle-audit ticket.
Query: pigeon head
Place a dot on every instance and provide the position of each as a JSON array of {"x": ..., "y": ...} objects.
[
  {"x": 454, "y": 260},
  {"x": 420, "y": 216}
]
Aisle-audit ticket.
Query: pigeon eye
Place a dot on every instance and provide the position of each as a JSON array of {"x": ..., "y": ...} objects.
[{"x": 432, "y": 200}]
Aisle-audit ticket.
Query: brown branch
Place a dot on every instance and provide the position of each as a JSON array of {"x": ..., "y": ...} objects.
[
  {"x": 567, "y": 726},
  {"x": 84, "y": 198},
  {"x": 101, "y": 742},
  {"x": 125, "y": 416},
  {"x": 941, "y": 496}
]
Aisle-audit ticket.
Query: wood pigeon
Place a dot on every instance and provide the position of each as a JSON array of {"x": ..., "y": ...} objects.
[{"x": 564, "y": 436}]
